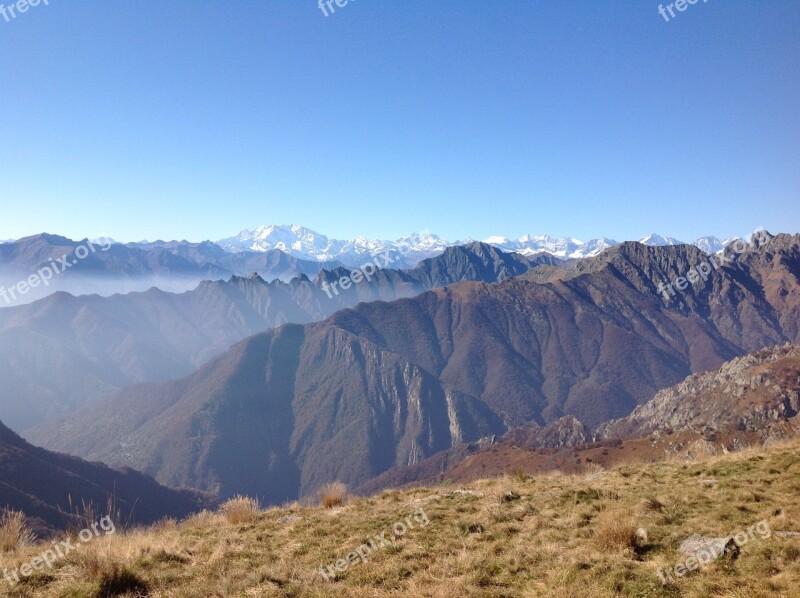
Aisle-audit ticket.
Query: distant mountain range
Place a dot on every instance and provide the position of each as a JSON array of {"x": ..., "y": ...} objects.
[
  {"x": 115, "y": 268},
  {"x": 272, "y": 252},
  {"x": 384, "y": 385},
  {"x": 307, "y": 244}
]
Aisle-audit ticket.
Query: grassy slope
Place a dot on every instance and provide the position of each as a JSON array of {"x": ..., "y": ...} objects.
[{"x": 547, "y": 542}]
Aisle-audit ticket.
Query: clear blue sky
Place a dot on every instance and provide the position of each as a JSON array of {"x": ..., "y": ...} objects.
[{"x": 196, "y": 119}]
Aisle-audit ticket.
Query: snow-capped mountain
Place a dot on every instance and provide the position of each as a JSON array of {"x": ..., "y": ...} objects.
[
  {"x": 408, "y": 251},
  {"x": 712, "y": 244},
  {"x": 530, "y": 244},
  {"x": 305, "y": 243},
  {"x": 593, "y": 247},
  {"x": 655, "y": 240}
]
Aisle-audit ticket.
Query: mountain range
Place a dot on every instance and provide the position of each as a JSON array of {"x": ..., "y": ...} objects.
[
  {"x": 272, "y": 252},
  {"x": 383, "y": 385},
  {"x": 65, "y": 352},
  {"x": 307, "y": 244},
  {"x": 115, "y": 268}
]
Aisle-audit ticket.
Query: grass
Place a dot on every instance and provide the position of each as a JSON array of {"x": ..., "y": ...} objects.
[
  {"x": 240, "y": 509},
  {"x": 615, "y": 531},
  {"x": 14, "y": 533},
  {"x": 332, "y": 495},
  {"x": 544, "y": 536}
]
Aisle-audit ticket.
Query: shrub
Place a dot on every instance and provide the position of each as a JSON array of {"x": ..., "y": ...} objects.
[
  {"x": 332, "y": 495},
  {"x": 240, "y": 509}
]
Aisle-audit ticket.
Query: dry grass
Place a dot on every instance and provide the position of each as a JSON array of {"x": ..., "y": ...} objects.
[
  {"x": 240, "y": 509},
  {"x": 332, "y": 495},
  {"x": 514, "y": 536},
  {"x": 615, "y": 532},
  {"x": 14, "y": 533}
]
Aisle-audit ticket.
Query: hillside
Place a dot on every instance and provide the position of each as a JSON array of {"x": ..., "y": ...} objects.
[
  {"x": 559, "y": 535},
  {"x": 750, "y": 400},
  {"x": 52, "y": 489}
]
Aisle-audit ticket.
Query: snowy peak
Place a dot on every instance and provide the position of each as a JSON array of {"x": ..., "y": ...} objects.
[
  {"x": 307, "y": 244},
  {"x": 710, "y": 244},
  {"x": 564, "y": 247},
  {"x": 656, "y": 240}
]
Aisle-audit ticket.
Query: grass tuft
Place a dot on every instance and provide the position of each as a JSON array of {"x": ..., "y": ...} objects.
[
  {"x": 332, "y": 495},
  {"x": 14, "y": 533},
  {"x": 240, "y": 509},
  {"x": 615, "y": 532}
]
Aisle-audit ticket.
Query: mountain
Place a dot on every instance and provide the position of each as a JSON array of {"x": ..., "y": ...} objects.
[
  {"x": 389, "y": 384},
  {"x": 270, "y": 265},
  {"x": 655, "y": 240},
  {"x": 50, "y": 487},
  {"x": 63, "y": 352},
  {"x": 561, "y": 247},
  {"x": 306, "y": 244},
  {"x": 84, "y": 267}
]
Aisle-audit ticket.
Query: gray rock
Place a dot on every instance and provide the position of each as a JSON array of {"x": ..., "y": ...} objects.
[{"x": 706, "y": 550}]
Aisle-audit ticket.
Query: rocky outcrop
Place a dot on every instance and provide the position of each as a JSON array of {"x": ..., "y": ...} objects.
[{"x": 755, "y": 393}]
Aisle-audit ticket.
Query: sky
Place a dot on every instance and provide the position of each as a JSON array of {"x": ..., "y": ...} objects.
[{"x": 198, "y": 119}]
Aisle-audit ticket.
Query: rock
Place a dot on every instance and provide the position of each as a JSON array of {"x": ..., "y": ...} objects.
[
  {"x": 287, "y": 519},
  {"x": 706, "y": 550},
  {"x": 641, "y": 536}
]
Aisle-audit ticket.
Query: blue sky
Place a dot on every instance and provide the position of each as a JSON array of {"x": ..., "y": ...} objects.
[{"x": 196, "y": 119}]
